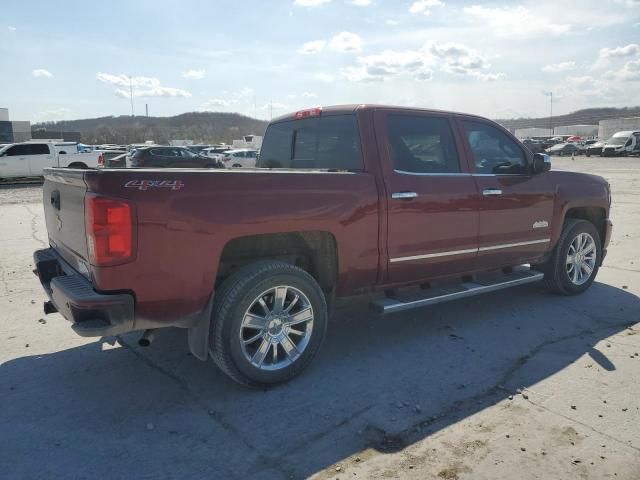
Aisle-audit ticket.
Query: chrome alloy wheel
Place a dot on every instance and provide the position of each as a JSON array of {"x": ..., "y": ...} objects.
[
  {"x": 581, "y": 258},
  {"x": 276, "y": 328}
]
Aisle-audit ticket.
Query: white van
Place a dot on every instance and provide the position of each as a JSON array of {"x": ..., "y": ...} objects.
[{"x": 621, "y": 144}]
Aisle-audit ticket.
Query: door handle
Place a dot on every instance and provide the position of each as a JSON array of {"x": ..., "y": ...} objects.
[
  {"x": 404, "y": 195},
  {"x": 491, "y": 192}
]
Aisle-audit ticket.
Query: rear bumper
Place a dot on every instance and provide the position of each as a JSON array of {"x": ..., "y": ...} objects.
[{"x": 92, "y": 314}]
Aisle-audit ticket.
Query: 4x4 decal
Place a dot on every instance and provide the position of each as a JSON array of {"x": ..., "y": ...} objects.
[{"x": 147, "y": 184}]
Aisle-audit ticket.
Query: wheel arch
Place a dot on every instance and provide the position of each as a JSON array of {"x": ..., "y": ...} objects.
[
  {"x": 77, "y": 165},
  {"x": 595, "y": 215},
  {"x": 316, "y": 252}
]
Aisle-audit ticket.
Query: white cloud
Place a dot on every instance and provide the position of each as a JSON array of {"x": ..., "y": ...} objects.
[
  {"x": 274, "y": 106},
  {"x": 308, "y": 95},
  {"x": 52, "y": 115},
  {"x": 310, "y": 3},
  {"x": 214, "y": 104},
  {"x": 515, "y": 21},
  {"x": 592, "y": 88},
  {"x": 314, "y": 46},
  {"x": 424, "y": 6},
  {"x": 195, "y": 74},
  {"x": 346, "y": 42},
  {"x": 456, "y": 59},
  {"x": 41, "y": 73},
  {"x": 11, "y": 28},
  {"x": 361, "y": 3},
  {"x": 559, "y": 67},
  {"x": 620, "y": 52},
  {"x": 142, "y": 86},
  {"x": 393, "y": 23},
  {"x": 324, "y": 77},
  {"x": 630, "y": 72},
  {"x": 606, "y": 54}
]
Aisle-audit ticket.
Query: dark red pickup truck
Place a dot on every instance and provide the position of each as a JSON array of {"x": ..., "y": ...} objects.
[{"x": 419, "y": 206}]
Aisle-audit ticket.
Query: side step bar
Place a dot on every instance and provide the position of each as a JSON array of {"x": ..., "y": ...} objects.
[{"x": 399, "y": 302}]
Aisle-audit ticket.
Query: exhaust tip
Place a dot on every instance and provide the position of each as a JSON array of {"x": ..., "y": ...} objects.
[{"x": 147, "y": 338}]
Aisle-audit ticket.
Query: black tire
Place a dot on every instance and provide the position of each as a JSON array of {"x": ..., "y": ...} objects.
[
  {"x": 237, "y": 165},
  {"x": 77, "y": 165},
  {"x": 235, "y": 297},
  {"x": 556, "y": 278}
]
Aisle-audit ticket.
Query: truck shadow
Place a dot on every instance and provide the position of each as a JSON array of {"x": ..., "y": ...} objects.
[{"x": 379, "y": 383}]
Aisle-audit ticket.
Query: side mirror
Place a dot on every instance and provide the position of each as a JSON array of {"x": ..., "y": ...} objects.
[{"x": 541, "y": 163}]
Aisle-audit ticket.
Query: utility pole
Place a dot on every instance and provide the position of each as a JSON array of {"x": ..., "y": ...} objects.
[
  {"x": 131, "y": 93},
  {"x": 551, "y": 113},
  {"x": 146, "y": 109},
  {"x": 550, "y": 95}
]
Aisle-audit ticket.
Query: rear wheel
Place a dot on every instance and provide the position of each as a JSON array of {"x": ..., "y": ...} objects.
[
  {"x": 268, "y": 324},
  {"x": 574, "y": 263}
]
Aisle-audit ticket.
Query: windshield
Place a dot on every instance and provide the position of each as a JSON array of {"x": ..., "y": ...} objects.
[{"x": 616, "y": 141}]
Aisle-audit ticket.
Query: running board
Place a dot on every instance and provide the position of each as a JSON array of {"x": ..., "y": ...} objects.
[{"x": 399, "y": 302}]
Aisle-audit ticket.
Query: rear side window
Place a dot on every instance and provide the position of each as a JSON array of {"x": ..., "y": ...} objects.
[
  {"x": 39, "y": 149},
  {"x": 420, "y": 144},
  {"x": 326, "y": 143}
]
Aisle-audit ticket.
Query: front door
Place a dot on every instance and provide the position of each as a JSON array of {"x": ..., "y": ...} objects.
[
  {"x": 516, "y": 206},
  {"x": 15, "y": 161},
  {"x": 432, "y": 217}
]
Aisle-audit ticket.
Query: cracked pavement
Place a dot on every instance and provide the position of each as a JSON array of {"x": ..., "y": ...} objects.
[{"x": 514, "y": 383}]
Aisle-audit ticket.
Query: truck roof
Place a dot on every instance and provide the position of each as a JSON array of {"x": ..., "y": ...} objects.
[
  {"x": 351, "y": 108},
  {"x": 625, "y": 133}
]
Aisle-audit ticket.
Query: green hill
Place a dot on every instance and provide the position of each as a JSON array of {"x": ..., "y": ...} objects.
[{"x": 201, "y": 127}]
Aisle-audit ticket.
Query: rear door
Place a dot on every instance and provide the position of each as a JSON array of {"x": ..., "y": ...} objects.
[
  {"x": 432, "y": 218},
  {"x": 516, "y": 206},
  {"x": 40, "y": 157}
]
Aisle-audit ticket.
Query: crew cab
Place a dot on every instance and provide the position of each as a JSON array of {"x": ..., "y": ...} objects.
[
  {"x": 411, "y": 206},
  {"x": 29, "y": 159}
]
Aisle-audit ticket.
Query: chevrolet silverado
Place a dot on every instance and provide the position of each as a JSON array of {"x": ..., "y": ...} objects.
[{"x": 413, "y": 206}]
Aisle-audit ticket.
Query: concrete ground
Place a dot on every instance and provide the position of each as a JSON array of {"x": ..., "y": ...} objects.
[{"x": 515, "y": 384}]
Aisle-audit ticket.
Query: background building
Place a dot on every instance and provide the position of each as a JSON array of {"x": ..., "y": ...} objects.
[
  {"x": 532, "y": 132},
  {"x": 580, "y": 130},
  {"x": 606, "y": 128},
  {"x": 16, "y": 131}
]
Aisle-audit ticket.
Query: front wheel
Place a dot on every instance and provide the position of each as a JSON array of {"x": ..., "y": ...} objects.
[
  {"x": 573, "y": 266},
  {"x": 268, "y": 322}
]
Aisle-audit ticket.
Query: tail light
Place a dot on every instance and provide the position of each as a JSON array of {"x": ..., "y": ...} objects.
[
  {"x": 109, "y": 229},
  {"x": 101, "y": 160}
]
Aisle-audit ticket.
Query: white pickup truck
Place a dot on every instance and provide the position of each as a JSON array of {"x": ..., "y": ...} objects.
[{"x": 29, "y": 159}]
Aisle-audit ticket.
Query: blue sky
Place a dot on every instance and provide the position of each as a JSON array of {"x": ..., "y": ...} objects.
[{"x": 72, "y": 59}]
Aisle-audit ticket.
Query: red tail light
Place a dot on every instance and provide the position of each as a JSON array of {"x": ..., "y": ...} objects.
[
  {"x": 101, "y": 160},
  {"x": 109, "y": 228}
]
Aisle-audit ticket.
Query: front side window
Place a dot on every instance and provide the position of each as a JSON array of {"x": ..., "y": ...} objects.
[
  {"x": 420, "y": 144},
  {"x": 493, "y": 151},
  {"x": 326, "y": 143},
  {"x": 19, "y": 150}
]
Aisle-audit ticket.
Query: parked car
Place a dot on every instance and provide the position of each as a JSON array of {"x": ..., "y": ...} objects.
[
  {"x": 169, "y": 157},
  {"x": 535, "y": 146},
  {"x": 562, "y": 149},
  {"x": 594, "y": 149},
  {"x": 344, "y": 200},
  {"x": 622, "y": 144},
  {"x": 29, "y": 159},
  {"x": 215, "y": 152},
  {"x": 242, "y": 157}
]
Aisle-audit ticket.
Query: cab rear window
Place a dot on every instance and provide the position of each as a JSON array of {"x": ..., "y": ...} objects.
[{"x": 325, "y": 143}]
